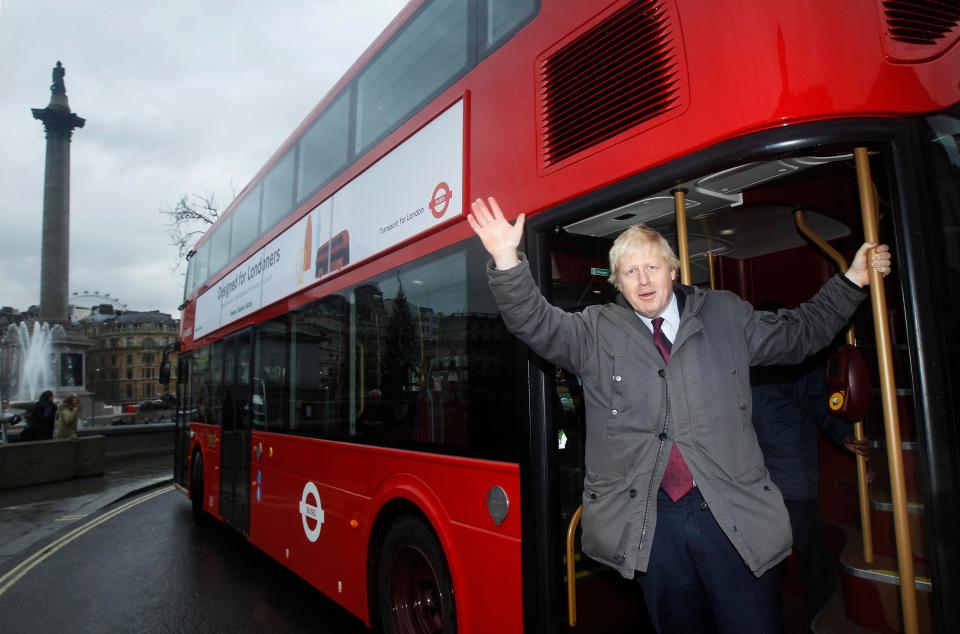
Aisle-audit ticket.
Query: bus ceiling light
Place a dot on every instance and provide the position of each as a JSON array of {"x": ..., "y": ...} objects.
[{"x": 727, "y": 232}]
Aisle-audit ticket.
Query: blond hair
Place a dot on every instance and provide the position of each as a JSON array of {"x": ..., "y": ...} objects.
[{"x": 638, "y": 238}]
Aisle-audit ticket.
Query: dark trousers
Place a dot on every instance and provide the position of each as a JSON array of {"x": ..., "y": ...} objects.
[
  {"x": 696, "y": 580},
  {"x": 813, "y": 557}
]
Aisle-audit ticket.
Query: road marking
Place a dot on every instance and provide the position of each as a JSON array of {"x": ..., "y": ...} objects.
[
  {"x": 8, "y": 580},
  {"x": 71, "y": 518}
]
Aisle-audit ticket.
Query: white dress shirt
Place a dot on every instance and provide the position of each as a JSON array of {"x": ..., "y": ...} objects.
[{"x": 671, "y": 319}]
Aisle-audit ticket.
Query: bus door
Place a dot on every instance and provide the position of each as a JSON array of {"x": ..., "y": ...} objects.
[
  {"x": 576, "y": 276},
  {"x": 182, "y": 422},
  {"x": 235, "y": 432}
]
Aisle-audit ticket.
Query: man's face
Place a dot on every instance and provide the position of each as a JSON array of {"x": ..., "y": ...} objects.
[{"x": 646, "y": 281}]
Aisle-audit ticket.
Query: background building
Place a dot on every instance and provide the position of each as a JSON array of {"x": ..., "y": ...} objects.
[{"x": 123, "y": 364}]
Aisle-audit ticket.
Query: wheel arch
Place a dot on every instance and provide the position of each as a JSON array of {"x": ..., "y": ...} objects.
[{"x": 405, "y": 496}]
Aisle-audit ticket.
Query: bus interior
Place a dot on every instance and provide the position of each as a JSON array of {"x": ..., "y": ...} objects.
[{"x": 744, "y": 235}]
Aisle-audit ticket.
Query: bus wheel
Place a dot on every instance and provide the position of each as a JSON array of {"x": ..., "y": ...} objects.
[
  {"x": 196, "y": 486},
  {"x": 413, "y": 582}
]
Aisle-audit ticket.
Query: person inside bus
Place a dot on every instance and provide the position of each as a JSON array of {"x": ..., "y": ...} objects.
[
  {"x": 376, "y": 415},
  {"x": 789, "y": 403},
  {"x": 676, "y": 492}
]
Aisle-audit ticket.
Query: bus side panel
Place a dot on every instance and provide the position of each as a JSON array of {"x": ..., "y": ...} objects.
[
  {"x": 302, "y": 481},
  {"x": 484, "y": 560},
  {"x": 207, "y": 438}
]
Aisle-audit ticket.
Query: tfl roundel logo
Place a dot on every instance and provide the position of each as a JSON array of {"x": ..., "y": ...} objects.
[
  {"x": 440, "y": 199},
  {"x": 311, "y": 512}
]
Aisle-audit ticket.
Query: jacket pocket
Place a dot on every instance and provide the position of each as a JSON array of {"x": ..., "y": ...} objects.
[
  {"x": 605, "y": 524},
  {"x": 616, "y": 389},
  {"x": 736, "y": 379}
]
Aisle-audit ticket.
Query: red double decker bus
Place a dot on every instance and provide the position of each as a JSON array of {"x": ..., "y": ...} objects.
[{"x": 351, "y": 402}]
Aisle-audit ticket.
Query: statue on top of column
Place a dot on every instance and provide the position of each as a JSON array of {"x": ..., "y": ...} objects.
[{"x": 58, "y": 87}]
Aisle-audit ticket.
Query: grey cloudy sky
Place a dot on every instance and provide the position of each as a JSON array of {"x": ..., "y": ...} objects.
[{"x": 180, "y": 97}]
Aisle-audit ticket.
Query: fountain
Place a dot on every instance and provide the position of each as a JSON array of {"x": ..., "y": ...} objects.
[{"x": 31, "y": 358}]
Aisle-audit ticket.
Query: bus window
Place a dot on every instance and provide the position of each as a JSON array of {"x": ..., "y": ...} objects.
[
  {"x": 437, "y": 363},
  {"x": 245, "y": 220},
  {"x": 215, "y": 390},
  {"x": 190, "y": 285},
  {"x": 220, "y": 245},
  {"x": 270, "y": 376},
  {"x": 278, "y": 192},
  {"x": 201, "y": 263},
  {"x": 319, "y": 364},
  {"x": 422, "y": 60},
  {"x": 942, "y": 152},
  {"x": 502, "y": 18},
  {"x": 199, "y": 386},
  {"x": 325, "y": 148}
]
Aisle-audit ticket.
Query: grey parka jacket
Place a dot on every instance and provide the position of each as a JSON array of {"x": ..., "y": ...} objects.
[{"x": 705, "y": 388}]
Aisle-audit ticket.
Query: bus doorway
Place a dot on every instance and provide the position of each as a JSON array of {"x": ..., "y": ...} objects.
[
  {"x": 235, "y": 432},
  {"x": 744, "y": 235},
  {"x": 578, "y": 271}
]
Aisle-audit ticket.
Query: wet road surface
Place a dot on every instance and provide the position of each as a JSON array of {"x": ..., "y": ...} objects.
[{"x": 144, "y": 565}]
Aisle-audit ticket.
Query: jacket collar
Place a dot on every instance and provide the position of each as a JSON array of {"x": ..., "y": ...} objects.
[{"x": 689, "y": 301}]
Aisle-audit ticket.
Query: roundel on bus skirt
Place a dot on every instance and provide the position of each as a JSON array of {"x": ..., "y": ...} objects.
[{"x": 311, "y": 511}]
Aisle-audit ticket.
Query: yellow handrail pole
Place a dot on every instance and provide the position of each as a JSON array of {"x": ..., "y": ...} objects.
[
  {"x": 680, "y": 210},
  {"x": 711, "y": 270},
  {"x": 898, "y": 494},
  {"x": 863, "y": 492},
  {"x": 571, "y": 568}
]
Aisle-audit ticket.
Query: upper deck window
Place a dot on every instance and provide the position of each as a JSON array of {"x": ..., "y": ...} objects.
[
  {"x": 429, "y": 53},
  {"x": 220, "y": 244},
  {"x": 325, "y": 148},
  {"x": 278, "y": 192},
  {"x": 201, "y": 266},
  {"x": 246, "y": 222},
  {"x": 432, "y": 50},
  {"x": 502, "y": 18},
  {"x": 191, "y": 283}
]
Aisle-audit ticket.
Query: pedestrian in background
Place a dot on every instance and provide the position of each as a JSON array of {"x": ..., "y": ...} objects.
[
  {"x": 67, "y": 415},
  {"x": 40, "y": 420}
]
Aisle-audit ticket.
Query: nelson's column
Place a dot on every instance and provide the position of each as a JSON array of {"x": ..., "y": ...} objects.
[
  {"x": 70, "y": 344},
  {"x": 59, "y": 123}
]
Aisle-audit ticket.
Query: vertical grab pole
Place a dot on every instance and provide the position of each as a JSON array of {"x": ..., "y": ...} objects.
[
  {"x": 878, "y": 301},
  {"x": 680, "y": 211},
  {"x": 572, "y": 568},
  {"x": 862, "y": 490},
  {"x": 711, "y": 270}
]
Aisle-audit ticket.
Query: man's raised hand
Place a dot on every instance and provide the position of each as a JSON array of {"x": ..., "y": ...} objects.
[{"x": 498, "y": 236}]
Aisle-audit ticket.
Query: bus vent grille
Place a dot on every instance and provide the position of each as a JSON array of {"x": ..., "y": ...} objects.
[
  {"x": 918, "y": 30},
  {"x": 621, "y": 73},
  {"x": 921, "y": 21}
]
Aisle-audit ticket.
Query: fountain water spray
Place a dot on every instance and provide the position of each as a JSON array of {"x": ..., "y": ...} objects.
[{"x": 34, "y": 362}]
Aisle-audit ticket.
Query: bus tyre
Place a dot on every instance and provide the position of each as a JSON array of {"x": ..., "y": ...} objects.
[
  {"x": 196, "y": 486},
  {"x": 414, "y": 589}
]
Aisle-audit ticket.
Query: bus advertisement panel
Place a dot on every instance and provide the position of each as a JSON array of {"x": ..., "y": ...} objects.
[{"x": 414, "y": 188}]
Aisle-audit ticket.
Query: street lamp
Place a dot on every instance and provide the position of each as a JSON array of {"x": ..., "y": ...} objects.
[{"x": 96, "y": 390}]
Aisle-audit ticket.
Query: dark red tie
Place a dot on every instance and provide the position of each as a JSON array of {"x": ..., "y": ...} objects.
[{"x": 677, "y": 479}]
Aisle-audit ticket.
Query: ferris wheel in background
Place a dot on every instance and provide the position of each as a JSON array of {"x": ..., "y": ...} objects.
[{"x": 84, "y": 301}]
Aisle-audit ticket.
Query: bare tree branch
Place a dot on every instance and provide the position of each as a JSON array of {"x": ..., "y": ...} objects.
[{"x": 188, "y": 219}]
